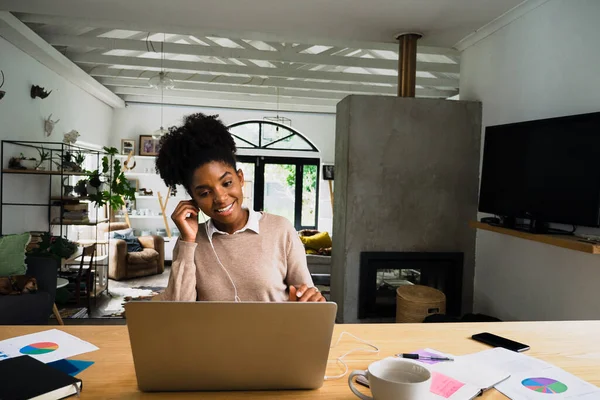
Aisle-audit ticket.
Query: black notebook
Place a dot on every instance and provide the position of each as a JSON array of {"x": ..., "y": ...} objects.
[{"x": 27, "y": 378}]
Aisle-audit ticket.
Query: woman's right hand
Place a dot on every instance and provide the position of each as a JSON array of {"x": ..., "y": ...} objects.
[{"x": 185, "y": 217}]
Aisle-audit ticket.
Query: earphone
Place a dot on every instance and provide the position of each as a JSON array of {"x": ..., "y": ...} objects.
[
  {"x": 236, "y": 297},
  {"x": 341, "y": 359}
]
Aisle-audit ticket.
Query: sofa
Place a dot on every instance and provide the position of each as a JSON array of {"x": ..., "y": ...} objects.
[
  {"x": 32, "y": 308},
  {"x": 125, "y": 265}
]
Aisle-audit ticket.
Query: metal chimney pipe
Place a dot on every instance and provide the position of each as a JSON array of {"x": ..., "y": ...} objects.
[{"x": 407, "y": 63}]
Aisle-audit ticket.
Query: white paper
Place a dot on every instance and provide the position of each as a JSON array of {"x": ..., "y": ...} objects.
[
  {"x": 524, "y": 370},
  {"x": 475, "y": 377},
  {"x": 47, "y": 346},
  {"x": 469, "y": 371}
]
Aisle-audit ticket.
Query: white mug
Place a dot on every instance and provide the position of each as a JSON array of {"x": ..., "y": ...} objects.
[{"x": 394, "y": 379}]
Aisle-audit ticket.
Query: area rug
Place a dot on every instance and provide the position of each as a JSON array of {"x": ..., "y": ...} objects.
[{"x": 122, "y": 295}]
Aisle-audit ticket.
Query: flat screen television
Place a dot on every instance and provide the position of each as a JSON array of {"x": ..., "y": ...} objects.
[{"x": 546, "y": 170}]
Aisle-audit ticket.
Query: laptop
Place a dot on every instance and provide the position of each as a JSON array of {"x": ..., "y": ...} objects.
[{"x": 206, "y": 346}]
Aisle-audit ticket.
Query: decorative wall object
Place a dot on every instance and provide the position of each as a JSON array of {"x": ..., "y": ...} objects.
[
  {"x": 127, "y": 146},
  {"x": 38, "y": 91},
  {"x": 328, "y": 172},
  {"x": 149, "y": 146},
  {"x": 49, "y": 125},
  {"x": 71, "y": 137},
  {"x": 2, "y": 92}
]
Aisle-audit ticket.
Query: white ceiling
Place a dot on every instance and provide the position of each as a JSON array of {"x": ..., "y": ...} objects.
[
  {"x": 291, "y": 55},
  {"x": 443, "y": 22}
]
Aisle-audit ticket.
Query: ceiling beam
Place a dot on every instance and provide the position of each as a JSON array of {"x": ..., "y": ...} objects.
[
  {"x": 186, "y": 89},
  {"x": 20, "y": 35},
  {"x": 119, "y": 83},
  {"x": 173, "y": 95},
  {"x": 175, "y": 29},
  {"x": 194, "y": 66},
  {"x": 283, "y": 55},
  {"x": 130, "y": 74},
  {"x": 239, "y": 102}
]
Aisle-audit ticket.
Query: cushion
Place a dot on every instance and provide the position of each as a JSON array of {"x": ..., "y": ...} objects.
[
  {"x": 12, "y": 254},
  {"x": 142, "y": 257},
  {"x": 316, "y": 242},
  {"x": 124, "y": 233},
  {"x": 133, "y": 243}
]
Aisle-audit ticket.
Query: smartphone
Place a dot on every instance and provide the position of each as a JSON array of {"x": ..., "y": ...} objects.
[{"x": 499, "y": 341}]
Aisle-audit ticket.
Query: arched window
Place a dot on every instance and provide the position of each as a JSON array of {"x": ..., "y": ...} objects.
[
  {"x": 281, "y": 171},
  {"x": 256, "y": 134}
]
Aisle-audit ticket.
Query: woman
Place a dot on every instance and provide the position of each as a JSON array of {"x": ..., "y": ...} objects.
[{"x": 239, "y": 254}]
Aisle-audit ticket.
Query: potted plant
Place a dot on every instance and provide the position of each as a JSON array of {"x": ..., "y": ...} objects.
[
  {"x": 109, "y": 185},
  {"x": 28, "y": 162},
  {"x": 81, "y": 187},
  {"x": 53, "y": 246},
  {"x": 79, "y": 159},
  {"x": 43, "y": 157}
]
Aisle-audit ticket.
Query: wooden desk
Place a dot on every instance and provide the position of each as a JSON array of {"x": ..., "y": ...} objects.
[{"x": 572, "y": 346}]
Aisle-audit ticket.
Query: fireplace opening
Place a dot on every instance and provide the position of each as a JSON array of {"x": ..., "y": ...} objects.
[{"x": 381, "y": 273}]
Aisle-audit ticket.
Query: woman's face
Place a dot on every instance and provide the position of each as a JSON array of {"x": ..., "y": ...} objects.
[{"x": 217, "y": 190}]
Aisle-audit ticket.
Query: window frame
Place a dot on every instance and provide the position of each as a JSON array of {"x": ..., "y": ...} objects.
[{"x": 259, "y": 183}]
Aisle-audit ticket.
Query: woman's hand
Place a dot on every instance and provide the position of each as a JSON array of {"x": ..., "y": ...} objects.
[
  {"x": 306, "y": 294},
  {"x": 185, "y": 217}
]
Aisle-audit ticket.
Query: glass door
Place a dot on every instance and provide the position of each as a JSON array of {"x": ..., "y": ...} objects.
[
  {"x": 283, "y": 186},
  {"x": 280, "y": 190}
]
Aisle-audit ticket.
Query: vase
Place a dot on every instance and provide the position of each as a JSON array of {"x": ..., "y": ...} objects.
[{"x": 29, "y": 164}]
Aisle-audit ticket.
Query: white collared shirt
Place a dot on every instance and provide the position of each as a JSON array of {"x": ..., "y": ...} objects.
[{"x": 252, "y": 224}]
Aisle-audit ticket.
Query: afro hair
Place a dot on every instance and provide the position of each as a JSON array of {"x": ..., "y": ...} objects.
[{"x": 200, "y": 140}]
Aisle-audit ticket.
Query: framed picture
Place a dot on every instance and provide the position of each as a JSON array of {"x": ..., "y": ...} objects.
[
  {"x": 328, "y": 172},
  {"x": 149, "y": 146},
  {"x": 134, "y": 183},
  {"x": 127, "y": 146}
]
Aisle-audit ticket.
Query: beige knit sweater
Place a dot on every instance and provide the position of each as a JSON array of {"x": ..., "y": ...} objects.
[{"x": 262, "y": 265}]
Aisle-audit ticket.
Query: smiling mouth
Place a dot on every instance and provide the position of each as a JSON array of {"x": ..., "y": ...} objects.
[{"x": 225, "y": 209}]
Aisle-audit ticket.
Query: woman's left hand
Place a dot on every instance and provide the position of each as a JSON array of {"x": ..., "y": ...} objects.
[{"x": 305, "y": 294}]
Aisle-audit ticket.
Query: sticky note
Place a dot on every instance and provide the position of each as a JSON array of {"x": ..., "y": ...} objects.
[{"x": 443, "y": 385}]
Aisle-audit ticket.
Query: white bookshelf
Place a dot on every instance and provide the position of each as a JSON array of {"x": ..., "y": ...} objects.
[{"x": 146, "y": 178}]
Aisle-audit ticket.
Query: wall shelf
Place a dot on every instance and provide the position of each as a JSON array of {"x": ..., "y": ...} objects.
[
  {"x": 42, "y": 172},
  {"x": 566, "y": 242},
  {"x": 136, "y": 156},
  {"x": 156, "y": 197},
  {"x": 140, "y": 216}
]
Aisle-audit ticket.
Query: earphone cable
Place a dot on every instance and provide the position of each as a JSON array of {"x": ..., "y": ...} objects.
[{"x": 341, "y": 359}]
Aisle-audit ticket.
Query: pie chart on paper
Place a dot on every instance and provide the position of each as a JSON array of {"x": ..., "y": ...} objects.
[
  {"x": 544, "y": 385},
  {"x": 39, "y": 348}
]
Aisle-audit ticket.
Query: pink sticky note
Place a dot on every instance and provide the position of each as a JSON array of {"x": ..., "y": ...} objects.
[{"x": 443, "y": 385}]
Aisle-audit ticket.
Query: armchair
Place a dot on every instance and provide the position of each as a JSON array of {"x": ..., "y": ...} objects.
[{"x": 125, "y": 265}]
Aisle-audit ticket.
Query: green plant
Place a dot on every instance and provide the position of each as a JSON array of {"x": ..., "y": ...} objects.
[
  {"x": 44, "y": 156},
  {"x": 54, "y": 246},
  {"x": 114, "y": 178},
  {"x": 81, "y": 187},
  {"x": 79, "y": 158},
  {"x": 22, "y": 157}
]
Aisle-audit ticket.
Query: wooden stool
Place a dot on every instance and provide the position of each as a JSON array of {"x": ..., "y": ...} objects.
[{"x": 415, "y": 302}]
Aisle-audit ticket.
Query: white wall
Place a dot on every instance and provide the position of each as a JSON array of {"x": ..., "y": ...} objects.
[
  {"x": 142, "y": 119},
  {"x": 22, "y": 118},
  {"x": 542, "y": 65}
]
